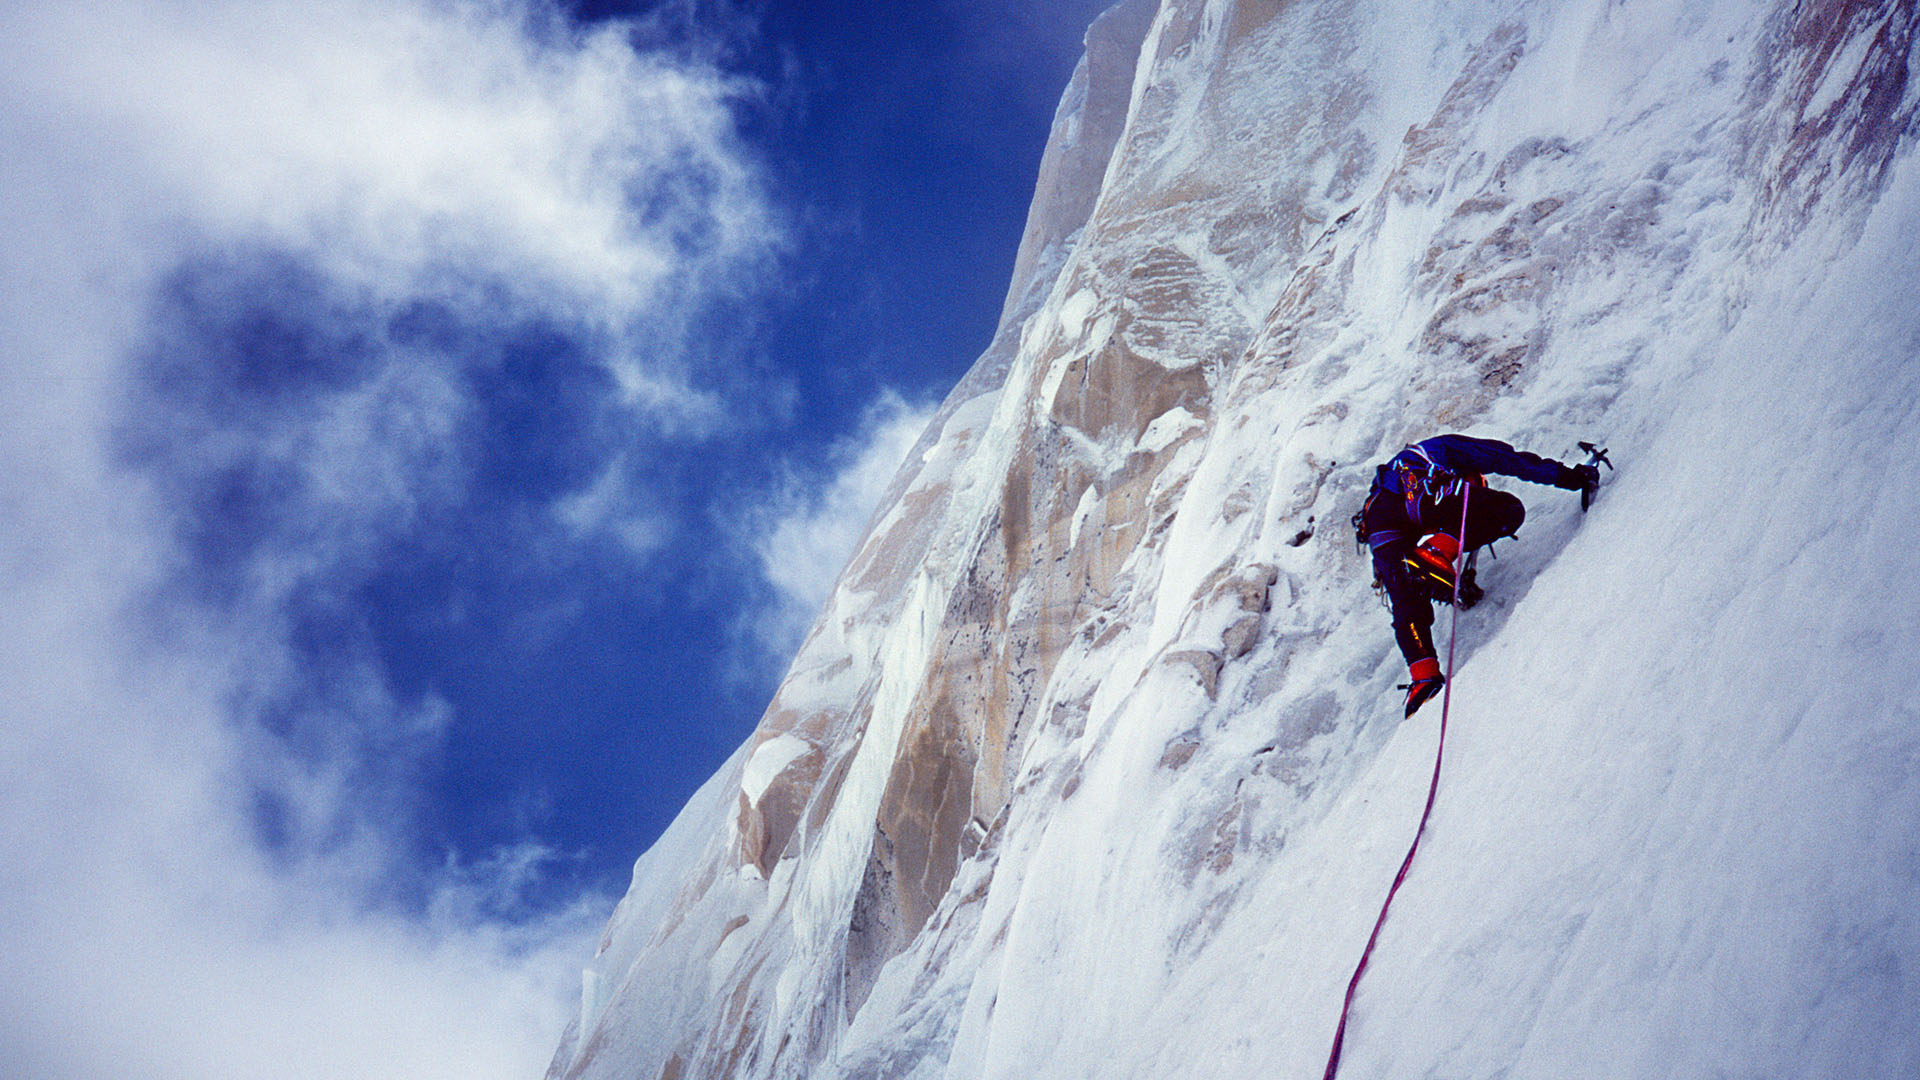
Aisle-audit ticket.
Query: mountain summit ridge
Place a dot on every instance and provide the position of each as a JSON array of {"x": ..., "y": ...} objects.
[{"x": 1092, "y": 765}]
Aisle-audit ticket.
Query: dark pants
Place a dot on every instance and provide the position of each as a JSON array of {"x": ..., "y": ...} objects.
[{"x": 1393, "y": 533}]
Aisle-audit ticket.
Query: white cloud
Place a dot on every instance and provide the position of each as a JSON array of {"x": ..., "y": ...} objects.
[
  {"x": 613, "y": 505},
  {"x": 810, "y": 529},
  {"x": 477, "y": 154},
  {"x": 394, "y": 139}
]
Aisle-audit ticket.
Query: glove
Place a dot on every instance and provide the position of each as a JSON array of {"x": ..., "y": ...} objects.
[{"x": 1578, "y": 478}]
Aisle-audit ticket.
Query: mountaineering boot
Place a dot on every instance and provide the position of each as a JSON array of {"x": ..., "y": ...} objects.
[
  {"x": 1432, "y": 565},
  {"x": 1470, "y": 590},
  {"x": 1427, "y": 682}
]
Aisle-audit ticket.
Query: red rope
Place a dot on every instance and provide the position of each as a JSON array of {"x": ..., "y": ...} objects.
[{"x": 1433, "y": 789}]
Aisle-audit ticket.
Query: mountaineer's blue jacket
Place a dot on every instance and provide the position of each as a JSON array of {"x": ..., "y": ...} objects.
[{"x": 1464, "y": 454}]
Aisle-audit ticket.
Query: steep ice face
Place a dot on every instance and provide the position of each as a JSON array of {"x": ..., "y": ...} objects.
[{"x": 1093, "y": 767}]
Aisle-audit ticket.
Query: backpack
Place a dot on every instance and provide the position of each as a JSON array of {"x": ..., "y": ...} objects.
[{"x": 1421, "y": 480}]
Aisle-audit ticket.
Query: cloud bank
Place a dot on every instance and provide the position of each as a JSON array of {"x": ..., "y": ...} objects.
[
  {"x": 805, "y": 534},
  {"x": 273, "y": 279}
]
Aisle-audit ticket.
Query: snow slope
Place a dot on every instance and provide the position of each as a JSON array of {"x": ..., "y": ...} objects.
[{"x": 1093, "y": 765}]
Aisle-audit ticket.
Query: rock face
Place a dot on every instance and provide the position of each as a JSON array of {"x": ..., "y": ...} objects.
[{"x": 1092, "y": 765}]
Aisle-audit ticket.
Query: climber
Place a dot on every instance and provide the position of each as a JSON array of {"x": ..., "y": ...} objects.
[{"x": 1418, "y": 493}]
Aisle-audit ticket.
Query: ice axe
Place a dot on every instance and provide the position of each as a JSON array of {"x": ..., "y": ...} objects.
[{"x": 1596, "y": 457}]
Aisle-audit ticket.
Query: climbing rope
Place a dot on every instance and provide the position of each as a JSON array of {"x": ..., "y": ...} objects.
[{"x": 1433, "y": 789}]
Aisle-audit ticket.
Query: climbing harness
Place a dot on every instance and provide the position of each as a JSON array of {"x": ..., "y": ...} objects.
[
  {"x": 1433, "y": 789},
  {"x": 1429, "y": 484}
]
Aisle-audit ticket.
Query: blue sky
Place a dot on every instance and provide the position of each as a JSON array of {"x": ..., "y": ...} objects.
[
  {"x": 899, "y": 144},
  {"x": 430, "y": 424}
]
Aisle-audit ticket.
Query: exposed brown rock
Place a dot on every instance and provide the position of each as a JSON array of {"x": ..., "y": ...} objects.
[
  {"x": 1206, "y": 664},
  {"x": 766, "y": 825},
  {"x": 1117, "y": 391}
]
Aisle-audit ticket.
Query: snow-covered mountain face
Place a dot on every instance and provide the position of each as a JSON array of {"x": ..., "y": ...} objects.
[{"x": 1094, "y": 765}]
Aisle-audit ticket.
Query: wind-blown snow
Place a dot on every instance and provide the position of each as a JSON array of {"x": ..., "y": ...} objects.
[{"x": 1678, "y": 833}]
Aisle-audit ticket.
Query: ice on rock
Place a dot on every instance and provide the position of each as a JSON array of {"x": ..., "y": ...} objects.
[
  {"x": 768, "y": 762},
  {"x": 1093, "y": 766},
  {"x": 1075, "y": 311}
]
